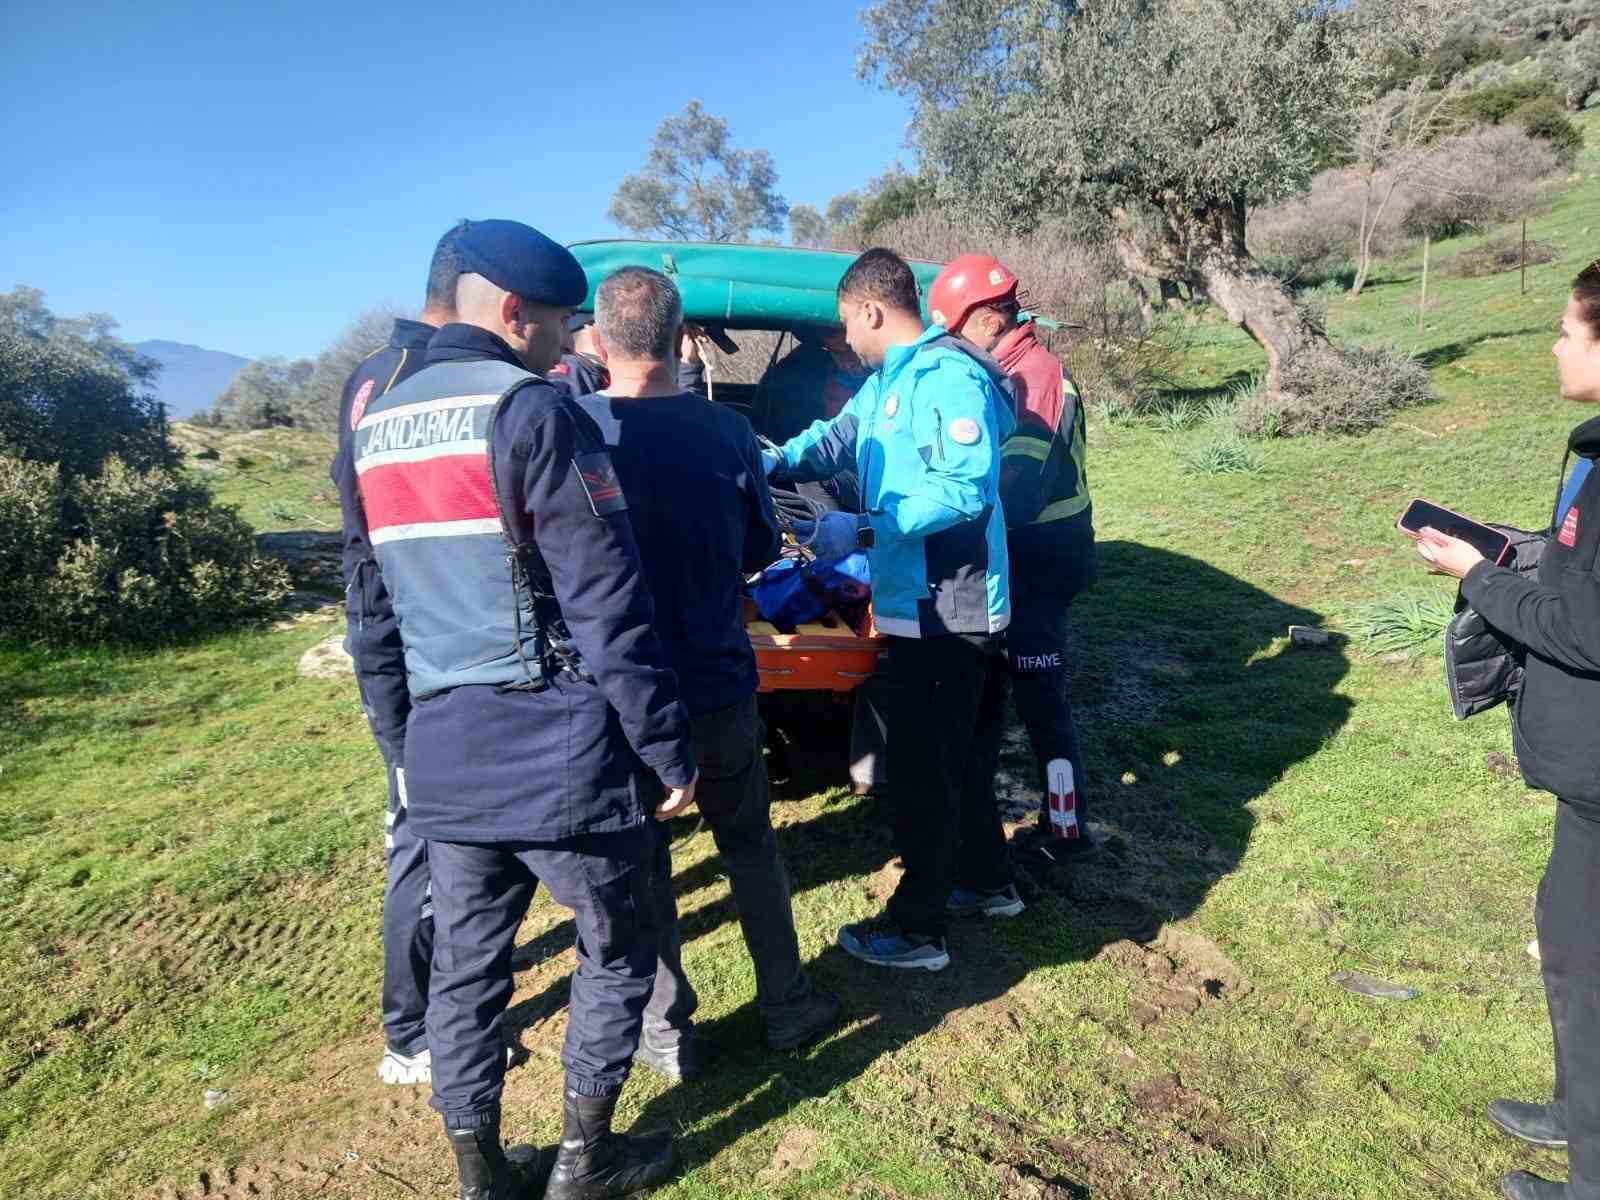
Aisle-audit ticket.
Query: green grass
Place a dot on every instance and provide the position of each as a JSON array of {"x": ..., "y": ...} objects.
[
  {"x": 191, "y": 846},
  {"x": 277, "y": 478}
]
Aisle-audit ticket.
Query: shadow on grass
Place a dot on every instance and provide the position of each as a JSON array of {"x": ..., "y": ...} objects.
[
  {"x": 1192, "y": 705},
  {"x": 1196, "y": 396},
  {"x": 1451, "y": 352}
]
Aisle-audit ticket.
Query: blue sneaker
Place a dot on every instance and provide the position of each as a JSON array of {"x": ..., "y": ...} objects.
[
  {"x": 969, "y": 902},
  {"x": 883, "y": 943}
]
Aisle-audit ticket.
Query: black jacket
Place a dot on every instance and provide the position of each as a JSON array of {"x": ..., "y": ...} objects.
[
  {"x": 703, "y": 518},
  {"x": 1555, "y": 619}
]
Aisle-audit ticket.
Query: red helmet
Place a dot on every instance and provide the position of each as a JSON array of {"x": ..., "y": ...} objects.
[{"x": 967, "y": 283}]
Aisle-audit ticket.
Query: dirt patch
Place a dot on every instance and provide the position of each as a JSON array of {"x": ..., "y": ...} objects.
[
  {"x": 797, "y": 1151},
  {"x": 1502, "y": 765},
  {"x": 1179, "y": 973}
]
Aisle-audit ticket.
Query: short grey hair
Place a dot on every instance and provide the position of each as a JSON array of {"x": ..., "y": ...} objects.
[{"x": 638, "y": 312}]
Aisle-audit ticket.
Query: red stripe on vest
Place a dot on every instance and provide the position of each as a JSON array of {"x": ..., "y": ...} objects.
[{"x": 452, "y": 488}]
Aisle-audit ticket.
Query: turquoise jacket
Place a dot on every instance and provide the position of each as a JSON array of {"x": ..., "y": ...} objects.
[{"x": 924, "y": 435}]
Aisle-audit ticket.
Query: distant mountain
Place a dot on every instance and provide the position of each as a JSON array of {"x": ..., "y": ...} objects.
[{"x": 191, "y": 377}]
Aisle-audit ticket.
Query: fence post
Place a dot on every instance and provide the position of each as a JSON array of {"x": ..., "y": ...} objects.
[
  {"x": 1524, "y": 256},
  {"x": 1422, "y": 304}
]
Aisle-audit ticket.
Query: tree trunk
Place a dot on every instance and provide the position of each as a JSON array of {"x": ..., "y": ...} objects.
[
  {"x": 1363, "y": 246},
  {"x": 1147, "y": 311},
  {"x": 1207, "y": 247}
]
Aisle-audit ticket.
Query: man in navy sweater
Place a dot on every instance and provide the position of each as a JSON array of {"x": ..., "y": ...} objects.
[{"x": 703, "y": 518}]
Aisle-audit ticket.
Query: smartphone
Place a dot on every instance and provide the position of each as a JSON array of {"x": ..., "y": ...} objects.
[{"x": 1490, "y": 543}]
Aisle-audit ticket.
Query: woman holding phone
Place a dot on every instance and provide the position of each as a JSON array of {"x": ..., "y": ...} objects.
[{"x": 1555, "y": 618}]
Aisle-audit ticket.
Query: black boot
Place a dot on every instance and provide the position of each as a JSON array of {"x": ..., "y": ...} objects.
[
  {"x": 486, "y": 1173},
  {"x": 594, "y": 1163},
  {"x": 1519, "y": 1185},
  {"x": 1537, "y": 1124}
]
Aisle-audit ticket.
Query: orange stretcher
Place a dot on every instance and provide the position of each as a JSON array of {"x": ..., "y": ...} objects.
[{"x": 826, "y": 655}]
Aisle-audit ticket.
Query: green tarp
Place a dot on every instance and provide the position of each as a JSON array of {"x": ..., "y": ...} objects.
[{"x": 738, "y": 286}]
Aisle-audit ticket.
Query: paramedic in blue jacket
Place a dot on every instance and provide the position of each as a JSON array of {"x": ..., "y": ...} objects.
[
  {"x": 372, "y": 638},
  {"x": 545, "y": 730},
  {"x": 923, "y": 433}
]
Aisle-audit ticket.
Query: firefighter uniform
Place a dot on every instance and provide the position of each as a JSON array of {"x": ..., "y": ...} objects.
[
  {"x": 542, "y": 721},
  {"x": 1044, "y": 488},
  {"x": 372, "y": 640}
]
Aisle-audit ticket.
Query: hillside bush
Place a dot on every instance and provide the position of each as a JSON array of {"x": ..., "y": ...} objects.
[
  {"x": 1349, "y": 394},
  {"x": 1486, "y": 177},
  {"x": 1501, "y": 254},
  {"x": 1477, "y": 179},
  {"x": 124, "y": 555},
  {"x": 100, "y": 538},
  {"x": 1545, "y": 120}
]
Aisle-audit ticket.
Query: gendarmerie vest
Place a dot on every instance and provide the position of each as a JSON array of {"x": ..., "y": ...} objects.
[{"x": 422, "y": 454}]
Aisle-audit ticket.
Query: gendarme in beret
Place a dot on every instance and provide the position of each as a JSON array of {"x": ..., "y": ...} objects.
[{"x": 522, "y": 260}]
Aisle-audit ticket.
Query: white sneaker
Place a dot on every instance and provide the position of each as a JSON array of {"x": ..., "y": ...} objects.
[
  {"x": 400, "y": 1068},
  {"x": 1533, "y": 950}
]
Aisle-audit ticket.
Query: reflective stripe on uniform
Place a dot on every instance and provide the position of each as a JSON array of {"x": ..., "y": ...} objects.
[
  {"x": 1027, "y": 445},
  {"x": 1062, "y": 509}
]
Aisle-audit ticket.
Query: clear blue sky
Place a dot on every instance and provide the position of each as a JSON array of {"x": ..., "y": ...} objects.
[{"x": 248, "y": 177}]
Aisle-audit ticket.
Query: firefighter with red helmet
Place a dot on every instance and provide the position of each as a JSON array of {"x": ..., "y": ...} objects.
[{"x": 1044, "y": 488}]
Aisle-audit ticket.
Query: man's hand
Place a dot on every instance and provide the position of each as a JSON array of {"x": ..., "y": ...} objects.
[
  {"x": 835, "y": 536},
  {"x": 1447, "y": 555},
  {"x": 678, "y": 800},
  {"x": 689, "y": 339},
  {"x": 770, "y": 460}
]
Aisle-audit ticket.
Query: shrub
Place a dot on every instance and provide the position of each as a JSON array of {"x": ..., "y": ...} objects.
[
  {"x": 1492, "y": 105},
  {"x": 1220, "y": 453},
  {"x": 1352, "y": 391},
  {"x": 124, "y": 555},
  {"x": 1484, "y": 177},
  {"x": 1404, "y": 624},
  {"x": 1501, "y": 254},
  {"x": 1545, "y": 120}
]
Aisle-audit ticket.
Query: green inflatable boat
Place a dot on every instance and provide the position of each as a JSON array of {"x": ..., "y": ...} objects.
[{"x": 737, "y": 286}]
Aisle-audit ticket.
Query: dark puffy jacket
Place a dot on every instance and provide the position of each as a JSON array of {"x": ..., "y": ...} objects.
[{"x": 1482, "y": 668}]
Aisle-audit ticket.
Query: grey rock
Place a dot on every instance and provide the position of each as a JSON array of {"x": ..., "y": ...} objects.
[{"x": 326, "y": 660}]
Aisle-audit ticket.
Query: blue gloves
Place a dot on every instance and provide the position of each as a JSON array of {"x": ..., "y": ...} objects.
[
  {"x": 837, "y": 535},
  {"x": 770, "y": 460}
]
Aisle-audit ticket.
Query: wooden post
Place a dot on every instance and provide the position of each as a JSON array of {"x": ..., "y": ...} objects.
[
  {"x": 1422, "y": 305},
  {"x": 1524, "y": 256}
]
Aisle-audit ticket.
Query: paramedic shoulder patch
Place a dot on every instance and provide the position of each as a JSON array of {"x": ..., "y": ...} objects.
[
  {"x": 1569, "y": 528},
  {"x": 964, "y": 431},
  {"x": 599, "y": 480}
]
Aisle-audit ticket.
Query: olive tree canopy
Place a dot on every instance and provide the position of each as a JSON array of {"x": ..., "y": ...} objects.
[
  {"x": 1162, "y": 121},
  {"x": 697, "y": 187}
]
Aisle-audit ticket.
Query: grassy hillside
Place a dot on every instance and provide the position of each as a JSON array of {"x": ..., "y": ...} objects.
[{"x": 192, "y": 842}]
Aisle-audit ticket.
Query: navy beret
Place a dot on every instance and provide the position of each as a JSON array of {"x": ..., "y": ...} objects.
[{"x": 522, "y": 260}]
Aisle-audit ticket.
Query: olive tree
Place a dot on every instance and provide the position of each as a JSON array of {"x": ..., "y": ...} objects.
[
  {"x": 1164, "y": 122},
  {"x": 697, "y": 187}
]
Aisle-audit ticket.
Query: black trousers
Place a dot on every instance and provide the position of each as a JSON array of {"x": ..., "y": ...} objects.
[
  {"x": 1036, "y": 668},
  {"x": 481, "y": 893},
  {"x": 1569, "y": 955},
  {"x": 946, "y": 827},
  {"x": 735, "y": 799},
  {"x": 407, "y": 926}
]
